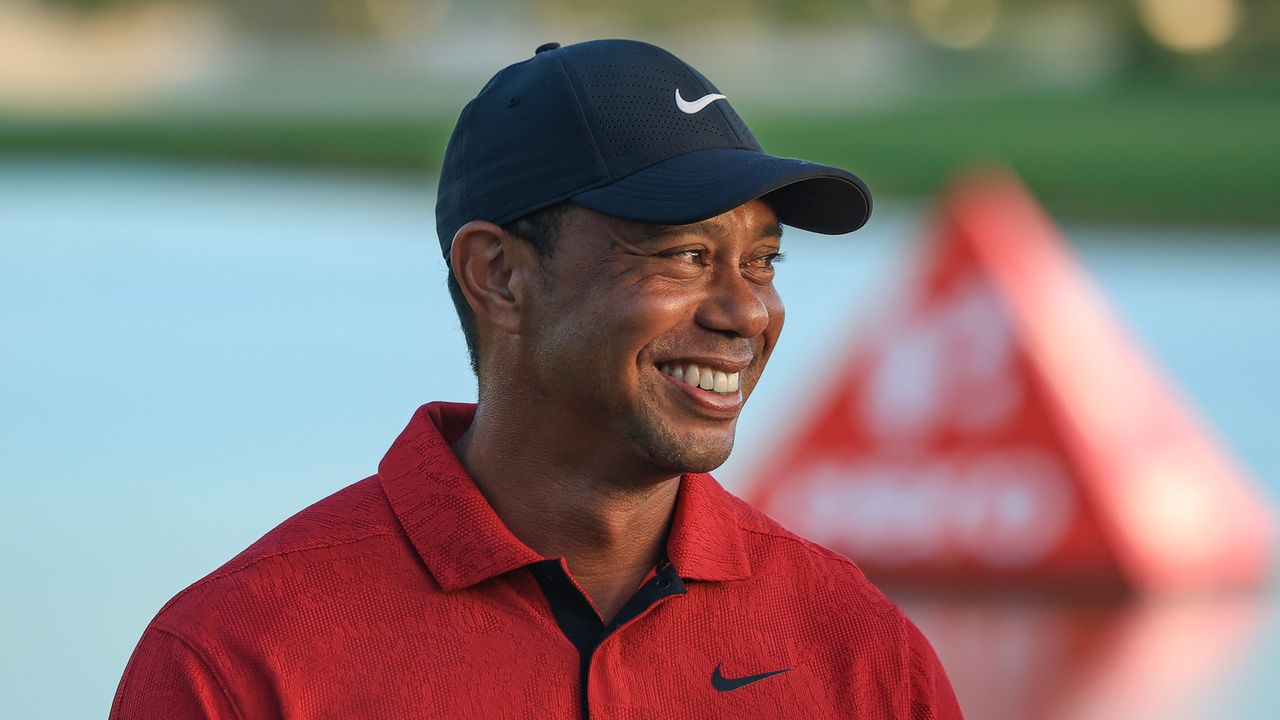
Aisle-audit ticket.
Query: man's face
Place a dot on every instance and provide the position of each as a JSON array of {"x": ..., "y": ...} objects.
[{"x": 627, "y": 314}]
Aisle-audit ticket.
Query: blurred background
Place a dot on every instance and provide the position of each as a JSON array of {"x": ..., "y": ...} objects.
[{"x": 221, "y": 296}]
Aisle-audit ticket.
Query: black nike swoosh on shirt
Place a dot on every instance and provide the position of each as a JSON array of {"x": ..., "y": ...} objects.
[{"x": 724, "y": 684}]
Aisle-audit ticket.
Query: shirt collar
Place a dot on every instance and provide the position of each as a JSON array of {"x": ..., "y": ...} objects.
[
  {"x": 706, "y": 541},
  {"x": 463, "y": 541}
]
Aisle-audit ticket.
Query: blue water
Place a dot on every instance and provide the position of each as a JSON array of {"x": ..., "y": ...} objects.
[{"x": 189, "y": 354}]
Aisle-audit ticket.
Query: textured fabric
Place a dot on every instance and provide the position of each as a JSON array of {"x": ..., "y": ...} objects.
[{"x": 404, "y": 596}]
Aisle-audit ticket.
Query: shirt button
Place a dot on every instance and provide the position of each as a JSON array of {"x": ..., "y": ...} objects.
[{"x": 662, "y": 583}]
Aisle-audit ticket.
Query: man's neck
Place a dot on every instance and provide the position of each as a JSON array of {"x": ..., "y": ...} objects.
[{"x": 611, "y": 529}]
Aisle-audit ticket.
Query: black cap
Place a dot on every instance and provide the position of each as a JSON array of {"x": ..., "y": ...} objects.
[{"x": 627, "y": 129}]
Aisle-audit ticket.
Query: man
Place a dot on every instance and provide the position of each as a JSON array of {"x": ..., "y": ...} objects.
[{"x": 556, "y": 551}]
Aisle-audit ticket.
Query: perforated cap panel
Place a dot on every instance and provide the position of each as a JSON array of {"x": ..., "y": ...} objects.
[{"x": 629, "y": 92}]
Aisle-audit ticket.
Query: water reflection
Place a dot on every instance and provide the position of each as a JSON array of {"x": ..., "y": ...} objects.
[{"x": 1132, "y": 660}]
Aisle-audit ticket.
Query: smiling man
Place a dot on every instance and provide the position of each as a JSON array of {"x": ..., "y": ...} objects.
[{"x": 557, "y": 550}]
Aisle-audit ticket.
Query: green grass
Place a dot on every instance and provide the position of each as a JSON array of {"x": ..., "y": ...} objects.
[
  {"x": 414, "y": 144},
  {"x": 1150, "y": 154}
]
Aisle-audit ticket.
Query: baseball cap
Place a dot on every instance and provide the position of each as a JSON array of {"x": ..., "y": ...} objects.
[{"x": 627, "y": 129}]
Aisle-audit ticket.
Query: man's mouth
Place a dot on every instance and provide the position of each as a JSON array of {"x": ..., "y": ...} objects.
[{"x": 702, "y": 376}]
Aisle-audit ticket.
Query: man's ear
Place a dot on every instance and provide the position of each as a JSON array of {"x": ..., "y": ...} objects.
[{"x": 491, "y": 268}]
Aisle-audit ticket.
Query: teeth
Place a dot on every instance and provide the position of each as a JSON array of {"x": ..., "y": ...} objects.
[{"x": 705, "y": 378}]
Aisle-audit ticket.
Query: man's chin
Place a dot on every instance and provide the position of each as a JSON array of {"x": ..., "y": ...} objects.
[
  {"x": 705, "y": 465},
  {"x": 681, "y": 445},
  {"x": 693, "y": 455}
]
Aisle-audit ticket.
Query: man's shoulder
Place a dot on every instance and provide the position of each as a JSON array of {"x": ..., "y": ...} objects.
[
  {"x": 320, "y": 543},
  {"x": 767, "y": 534},
  {"x": 827, "y": 580},
  {"x": 823, "y": 598}
]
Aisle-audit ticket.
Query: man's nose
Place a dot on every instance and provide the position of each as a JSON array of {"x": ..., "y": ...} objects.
[{"x": 734, "y": 305}]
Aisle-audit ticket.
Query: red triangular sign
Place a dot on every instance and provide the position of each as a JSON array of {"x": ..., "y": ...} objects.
[{"x": 999, "y": 428}]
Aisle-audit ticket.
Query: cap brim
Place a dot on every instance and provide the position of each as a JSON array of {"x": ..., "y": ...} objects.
[{"x": 702, "y": 184}]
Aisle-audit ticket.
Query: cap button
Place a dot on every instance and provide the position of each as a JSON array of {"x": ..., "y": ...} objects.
[{"x": 545, "y": 47}]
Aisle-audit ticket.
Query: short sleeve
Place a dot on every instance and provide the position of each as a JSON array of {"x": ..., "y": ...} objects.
[
  {"x": 166, "y": 678},
  {"x": 931, "y": 695}
]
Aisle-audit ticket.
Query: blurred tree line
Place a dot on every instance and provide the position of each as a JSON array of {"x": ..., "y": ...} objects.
[{"x": 1254, "y": 47}]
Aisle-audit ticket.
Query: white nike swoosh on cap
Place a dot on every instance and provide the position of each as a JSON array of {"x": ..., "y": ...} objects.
[{"x": 690, "y": 108}]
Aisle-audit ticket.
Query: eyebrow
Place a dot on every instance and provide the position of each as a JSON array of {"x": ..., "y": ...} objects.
[{"x": 705, "y": 227}]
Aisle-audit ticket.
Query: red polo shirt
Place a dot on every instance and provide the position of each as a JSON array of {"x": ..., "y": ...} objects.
[{"x": 405, "y": 596}]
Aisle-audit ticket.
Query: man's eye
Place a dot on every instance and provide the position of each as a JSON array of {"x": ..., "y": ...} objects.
[
  {"x": 695, "y": 256},
  {"x": 768, "y": 261}
]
